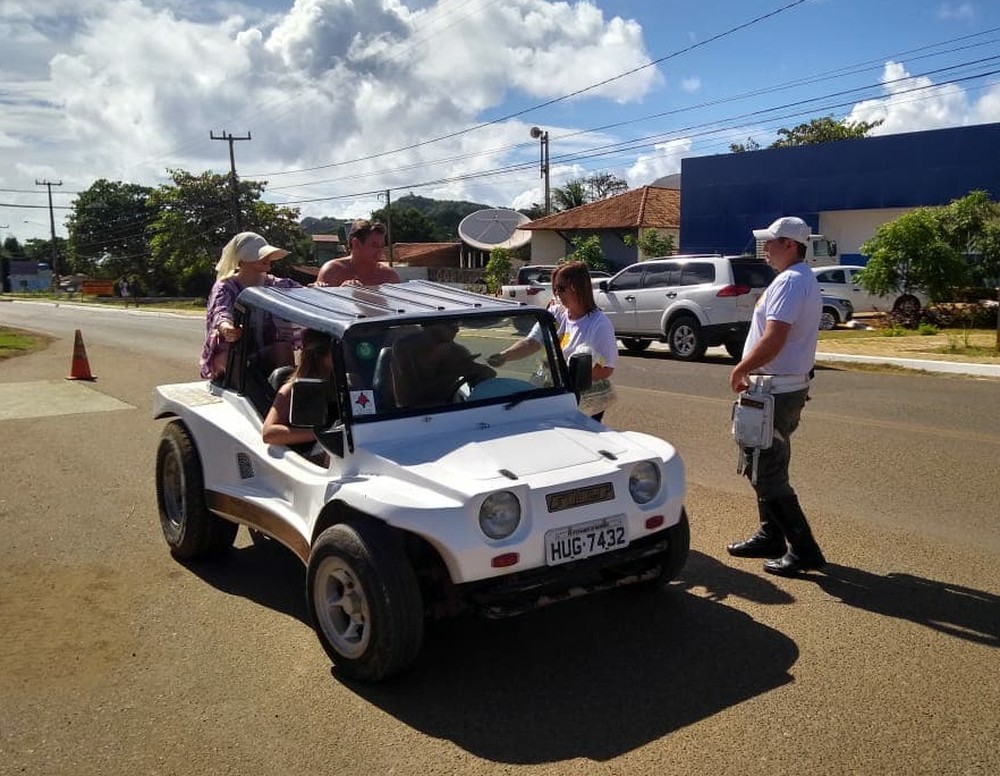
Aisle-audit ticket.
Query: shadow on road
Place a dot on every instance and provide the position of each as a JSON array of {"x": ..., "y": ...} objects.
[
  {"x": 666, "y": 355},
  {"x": 265, "y": 573},
  {"x": 957, "y": 611},
  {"x": 591, "y": 678}
]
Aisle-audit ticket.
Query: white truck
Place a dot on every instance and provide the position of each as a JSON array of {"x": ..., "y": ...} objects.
[
  {"x": 820, "y": 252},
  {"x": 533, "y": 285}
]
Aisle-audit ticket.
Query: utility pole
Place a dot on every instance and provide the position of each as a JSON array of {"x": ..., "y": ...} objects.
[
  {"x": 542, "y": 136},
  {"x": 52, "y": 232},
  {"x": 388, "y": 222},
  {"x": 234, "y": 189}
]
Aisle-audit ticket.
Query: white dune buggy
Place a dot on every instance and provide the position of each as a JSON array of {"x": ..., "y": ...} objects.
[{"x": 436, "y": 485}]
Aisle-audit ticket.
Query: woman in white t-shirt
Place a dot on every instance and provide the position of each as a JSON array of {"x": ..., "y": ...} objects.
[{"x": 582, "y": 328}]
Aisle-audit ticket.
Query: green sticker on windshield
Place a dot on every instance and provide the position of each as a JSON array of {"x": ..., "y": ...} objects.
[{"x": 365, "y": 351}]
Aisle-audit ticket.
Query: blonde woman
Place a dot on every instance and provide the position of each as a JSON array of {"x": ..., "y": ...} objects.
[{"x": 246, "y": 261}]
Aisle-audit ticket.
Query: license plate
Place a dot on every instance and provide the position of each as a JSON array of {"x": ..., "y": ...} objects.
[{"x": 585, "y": 539}]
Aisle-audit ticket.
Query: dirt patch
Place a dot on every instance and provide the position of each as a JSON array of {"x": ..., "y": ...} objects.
[{"x": 67, "y": 628}]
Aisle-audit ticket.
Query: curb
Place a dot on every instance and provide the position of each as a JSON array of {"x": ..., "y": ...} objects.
[{"x": 949, "y": 367}]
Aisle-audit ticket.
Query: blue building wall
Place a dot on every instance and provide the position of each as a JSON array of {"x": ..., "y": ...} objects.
[{"x": 724, "y": 197}]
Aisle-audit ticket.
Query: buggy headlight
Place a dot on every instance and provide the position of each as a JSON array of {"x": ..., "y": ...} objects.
[
  {"x": 644, "y": 482},
  {"x": 500, "y": 514}
]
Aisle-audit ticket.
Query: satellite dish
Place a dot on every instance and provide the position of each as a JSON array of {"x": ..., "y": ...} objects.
[{"x": 494, "y": 228}]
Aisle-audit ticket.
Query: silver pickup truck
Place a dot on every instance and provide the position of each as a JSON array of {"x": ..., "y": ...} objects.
[{"x": 533, "y": 285}]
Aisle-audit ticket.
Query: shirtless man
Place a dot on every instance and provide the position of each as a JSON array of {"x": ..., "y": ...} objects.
[{"x": 362, "y": 267}]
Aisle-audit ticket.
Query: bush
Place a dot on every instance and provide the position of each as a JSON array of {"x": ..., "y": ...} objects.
[{"x": 962, "y": 316}]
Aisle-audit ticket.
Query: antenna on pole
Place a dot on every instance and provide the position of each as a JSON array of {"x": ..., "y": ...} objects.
[{"x": 234, "y": 189}]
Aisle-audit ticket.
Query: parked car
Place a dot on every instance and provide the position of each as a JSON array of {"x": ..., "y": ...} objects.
[
  {"x": 840, "y": 280},
  {"x": 447, "y": 486},
  {"x": 533, "y": 284},
  {"x": 836, "y": 312},
  {"x": 689, "y": 302}
]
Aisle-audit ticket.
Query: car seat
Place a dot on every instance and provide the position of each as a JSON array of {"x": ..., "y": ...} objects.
[{"x": 279, "y": 376}]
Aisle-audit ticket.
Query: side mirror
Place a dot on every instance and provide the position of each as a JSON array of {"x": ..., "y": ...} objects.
[
  {"x": 309, "y": 403},
  {"x": 581, "y": 366},
  {"x": 603, "y": 285}
]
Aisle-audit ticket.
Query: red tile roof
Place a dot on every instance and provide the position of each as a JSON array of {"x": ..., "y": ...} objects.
[{"x": 646, "y": 207}]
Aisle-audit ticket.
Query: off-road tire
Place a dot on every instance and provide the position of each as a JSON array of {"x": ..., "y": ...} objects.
[
  {"x": 190, "y": 529},
  {"x": 636, "y": 344},
  {"x": 364, "y": 600},
  {"x": 686, "y": 339}
]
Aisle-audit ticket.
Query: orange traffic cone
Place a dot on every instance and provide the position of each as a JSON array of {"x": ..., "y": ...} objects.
[{"x": 80, "y": 370}]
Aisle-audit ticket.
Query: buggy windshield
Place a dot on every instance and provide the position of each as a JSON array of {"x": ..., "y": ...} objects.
[{"x": 440, "y": 363}]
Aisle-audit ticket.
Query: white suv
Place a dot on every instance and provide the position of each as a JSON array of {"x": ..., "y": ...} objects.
[{"x": 689, "y": 302}]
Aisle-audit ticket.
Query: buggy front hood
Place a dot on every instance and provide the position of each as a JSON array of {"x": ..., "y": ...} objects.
[{"x": 454, "y": 458}]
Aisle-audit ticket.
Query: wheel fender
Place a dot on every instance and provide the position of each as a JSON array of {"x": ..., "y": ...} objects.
[{"x": 676, "y": 311}]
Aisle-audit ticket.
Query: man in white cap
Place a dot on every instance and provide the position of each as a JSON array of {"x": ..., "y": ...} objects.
[{"x": 779, "y": 353}]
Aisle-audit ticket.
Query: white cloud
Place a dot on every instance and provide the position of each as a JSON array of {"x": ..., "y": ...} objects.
[
  {"x": 909, "y": 108},
  {"x": 125, "y": 89},
  {"x": 957, "y": 12},
  {"x": 692, "y": 84},
  {"x": 665, "y": 160}
]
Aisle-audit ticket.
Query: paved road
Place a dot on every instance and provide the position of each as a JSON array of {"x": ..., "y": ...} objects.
[{"x": 117, "y": 660}]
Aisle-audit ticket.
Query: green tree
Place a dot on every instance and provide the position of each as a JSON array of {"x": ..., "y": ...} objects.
[
  {"x": 913, "y": 253},
  {"x": 588, "y": 250},
  {"x": 109, "y": 231},
  {"x": 749, "y": 145},
  {"x": 573, "y": 194},
  {"x": 194, "y": 222},
  {"x": 651, "y": 243},
  {"x": 410, "y": 225},
  {"x": 822, "y": 130},
  {"x": 497, "y": 269},
  {"x": 602, "y": 185}
]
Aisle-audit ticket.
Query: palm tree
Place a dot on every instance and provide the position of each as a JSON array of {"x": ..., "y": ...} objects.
[{"x": 573, "y": 194}]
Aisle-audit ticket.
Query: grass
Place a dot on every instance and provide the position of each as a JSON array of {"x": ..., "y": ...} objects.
[
  {"x": 16, "y": 342},
  {"x": 194, "y": 306}
]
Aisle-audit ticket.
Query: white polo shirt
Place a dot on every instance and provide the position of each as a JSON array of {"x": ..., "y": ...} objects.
[{"x": 793, "y": 298}]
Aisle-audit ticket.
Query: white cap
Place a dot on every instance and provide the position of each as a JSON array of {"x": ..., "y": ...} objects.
[
  {"x": 789, "y": 226},
  {"x": 250, "y": 246}
]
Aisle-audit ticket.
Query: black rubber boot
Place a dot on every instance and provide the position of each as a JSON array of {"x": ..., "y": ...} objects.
[
  {"x": 803, "y": 553},
  {"x": 768, "y": 542}
]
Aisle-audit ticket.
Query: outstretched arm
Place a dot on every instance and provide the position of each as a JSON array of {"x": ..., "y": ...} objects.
[{"x": 276, "y": 430}]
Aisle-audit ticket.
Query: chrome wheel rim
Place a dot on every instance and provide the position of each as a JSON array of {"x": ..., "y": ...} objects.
[
  {"x": 342, "y": 608},
  {"x": 173, "y": 489},
  {"x": 684, "y": 340}
]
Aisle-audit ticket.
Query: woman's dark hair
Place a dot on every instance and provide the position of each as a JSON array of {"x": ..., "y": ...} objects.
[
  {"x": 576, "y": 275},
  {"x": 315, "y": 349}
]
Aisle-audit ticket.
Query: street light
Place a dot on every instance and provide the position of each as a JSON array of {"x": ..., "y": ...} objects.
[{"x": 543, "y": 136}]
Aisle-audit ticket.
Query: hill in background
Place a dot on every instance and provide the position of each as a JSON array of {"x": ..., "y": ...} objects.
[{"x": 443, "y": 215}]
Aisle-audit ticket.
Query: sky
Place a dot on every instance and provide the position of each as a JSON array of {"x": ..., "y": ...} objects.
[{"x": 348, "y": 101}]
